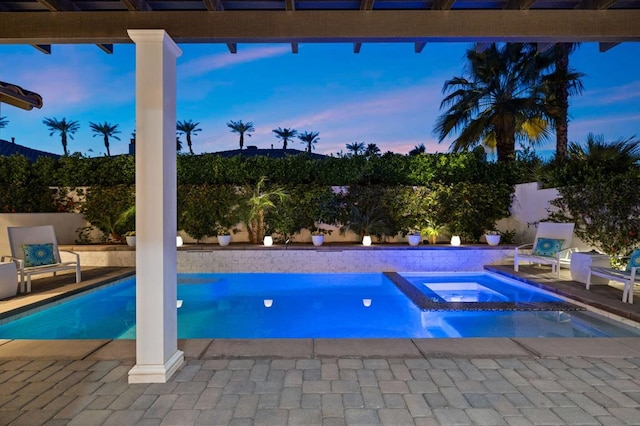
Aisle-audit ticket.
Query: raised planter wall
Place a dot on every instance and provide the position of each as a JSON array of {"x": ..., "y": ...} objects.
[{"x": 311, "y": 259}]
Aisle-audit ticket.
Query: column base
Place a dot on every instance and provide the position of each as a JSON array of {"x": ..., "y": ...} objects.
[{"x": 156, "y": 373}]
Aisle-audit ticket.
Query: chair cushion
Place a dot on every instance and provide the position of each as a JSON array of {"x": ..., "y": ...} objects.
[
  {"x": 38, "y": 254},
  {"x": 634, "y": 260},
  {"x": 548, "y": 247}
]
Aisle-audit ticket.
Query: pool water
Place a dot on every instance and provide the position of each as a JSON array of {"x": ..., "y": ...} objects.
[{"x": 267, "y": 305}]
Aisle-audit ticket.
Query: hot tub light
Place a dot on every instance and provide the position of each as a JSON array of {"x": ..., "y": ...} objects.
[
  {"x": 366, "y": 302},
  {"x": 268, "y": 303}
]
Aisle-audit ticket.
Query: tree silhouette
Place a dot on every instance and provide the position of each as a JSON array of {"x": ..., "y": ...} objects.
[
  {"x": 107, "y": 131},
  {"x": 310, "y": 139},
  {"x": 189, "y": 128},
  {"x": 241, "y": 128},
  {"x": 356, "y": 148},
  {"x": 285, "y": 134},
  {"x": 65, "y": 128}
]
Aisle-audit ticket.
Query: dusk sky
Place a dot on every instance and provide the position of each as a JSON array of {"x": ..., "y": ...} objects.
[{"x": 387, "y": 94}]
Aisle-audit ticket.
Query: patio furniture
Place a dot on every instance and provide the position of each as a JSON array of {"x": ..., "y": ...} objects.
[
  {"x": 8, "y": 280},
  {"x": 581, "y": 263},
  {"x": 34, "y": 250},
  {"x": 550, "y": 247},
  {"x": 626, "y": 277}
]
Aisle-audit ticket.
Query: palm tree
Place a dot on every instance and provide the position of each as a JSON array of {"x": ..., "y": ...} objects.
[
  {"x": 285, "y": 134},
  {"x": 189, "y": 128},
  {"x": 497, "y": 102},
  {"x": 309, "y": 138},
  {"x": 107, "y": 131},
  {"x": 372, "y": 150},
  {"x": 560, "y": 84},
  {"x": 256, "y": 201},
  {"x": 241, "y": 128},
  {"x": 418, "y": 149},
  {"x": 357, "y": 147},
  {"x": 610, "y": 157},
  {"x": 3, "y": 122},
  {"x": 64, "y": 127}
]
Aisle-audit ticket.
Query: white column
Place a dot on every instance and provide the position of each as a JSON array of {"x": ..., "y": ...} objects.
[{"x": 157, "y": 354}]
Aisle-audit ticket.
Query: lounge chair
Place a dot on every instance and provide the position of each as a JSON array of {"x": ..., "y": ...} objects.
[
  {"x": 34, "y": 250},
  {"x": 626, "y": 277},
  {"x": 552, "y": 246}
]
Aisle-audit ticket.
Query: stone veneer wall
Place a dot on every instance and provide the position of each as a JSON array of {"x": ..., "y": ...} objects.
[{"x": 324, "y": 259}]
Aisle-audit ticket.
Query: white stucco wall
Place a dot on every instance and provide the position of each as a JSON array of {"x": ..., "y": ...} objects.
[{"x": 65, "y": 224}]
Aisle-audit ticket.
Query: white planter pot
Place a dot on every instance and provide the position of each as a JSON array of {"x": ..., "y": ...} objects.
[
  {"x": 455, "y": 240},
  {"x": 131, "y": 241},
  {"x": 317, "y": 240},
  {"x": 493, "y": 240},
  {"x": 224, "y": 240},
  {"x": 366, "y": 240},
  {"x": 414, "y": 240}
]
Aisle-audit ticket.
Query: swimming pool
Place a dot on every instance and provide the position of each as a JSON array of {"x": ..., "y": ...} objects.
[{"x": 268, "y": 305}]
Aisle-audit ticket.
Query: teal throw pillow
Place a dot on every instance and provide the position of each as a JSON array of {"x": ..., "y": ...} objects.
[
  {"x": 634, "y": 260},
  {"x": 38, "y": 254},
  {"x": 548, "y": 247}
]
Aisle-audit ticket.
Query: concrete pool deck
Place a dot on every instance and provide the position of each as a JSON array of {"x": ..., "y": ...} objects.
[{"x": 330, "y": 381}]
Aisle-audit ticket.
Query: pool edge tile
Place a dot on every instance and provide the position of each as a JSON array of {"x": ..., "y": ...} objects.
[
  {"x": 585, "y": 347},
  {"x": 259, "y": 348},
  {"x": 471, "y": 347},
  {"x": 50, "y": 349},
  {"x": 365, "y": 348}
]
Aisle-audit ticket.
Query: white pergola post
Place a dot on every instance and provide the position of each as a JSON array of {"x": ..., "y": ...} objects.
[{"x": 157, "y": 354}]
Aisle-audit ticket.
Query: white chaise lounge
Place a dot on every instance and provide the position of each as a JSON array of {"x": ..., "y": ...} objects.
[
  {"x": 627, "y": 277},
  {"x": 552, "y": 246},
  {"x": 34, "y": 250}
]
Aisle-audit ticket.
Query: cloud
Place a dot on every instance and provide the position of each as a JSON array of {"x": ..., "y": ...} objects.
[
  {"x": 205, "y": 64},
  {"x": 611, "y": 95},
  {"x": 611, "y": 126}
]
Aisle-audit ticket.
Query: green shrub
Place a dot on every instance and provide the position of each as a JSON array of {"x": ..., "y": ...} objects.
[
  {"x": 605, "y": 210},
  {"x": 104, "y": 208}
]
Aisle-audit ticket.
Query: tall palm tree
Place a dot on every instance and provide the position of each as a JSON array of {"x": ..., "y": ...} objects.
[
  {"x": 189, "y": 128},
  {"x": 418, "y": 149},
  {"x": 356, "y": 148},
  {"x": 310, "y": 139},
  {"x": 65, "y": 128},
  {"x": 559, "y": 85},
  {"x": 241, "y": 128},
  {"x": 3, "y": 122},
  {"x": 285, "y": 134},
  {"x": 107, "y": 131},
  {"x": 496, "y": 102}
]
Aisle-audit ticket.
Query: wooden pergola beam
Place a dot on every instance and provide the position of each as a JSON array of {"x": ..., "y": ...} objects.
[{"x": 483, "y": 26}]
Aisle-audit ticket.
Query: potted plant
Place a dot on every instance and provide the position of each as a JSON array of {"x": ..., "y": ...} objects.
[
  {"x": 492, "y": 237},
  {"x": 431, "y": 232},
  {"x": 413, "y": 237},
  {"x": 317, "y": 235},
  {"x": 130, "y": 237}
]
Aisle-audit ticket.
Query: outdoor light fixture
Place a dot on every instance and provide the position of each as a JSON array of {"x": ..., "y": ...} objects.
[
  {"x": 268, "y": 303},
  {"x": 268, "y": 241},
  {"x": 366, "y": 302},
  {"x": 179, "y": 241},
  {"x": 366, "y": 240},
  {"x": 455, "y": 240}
]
